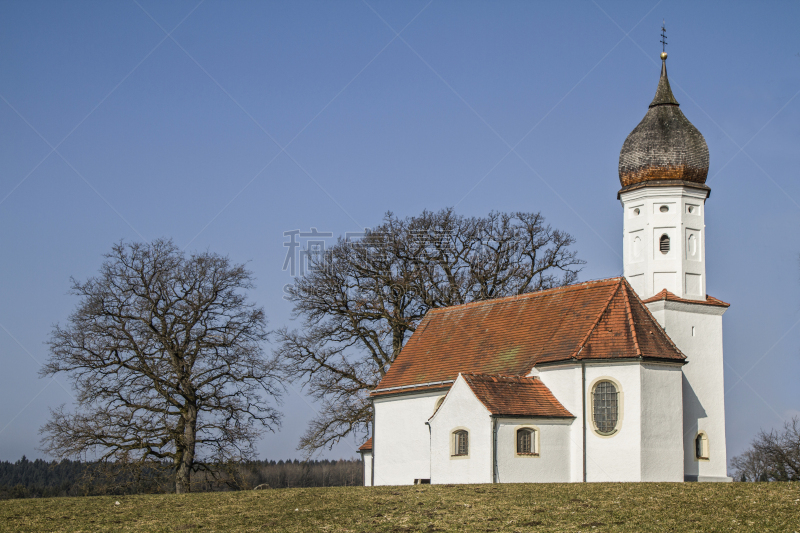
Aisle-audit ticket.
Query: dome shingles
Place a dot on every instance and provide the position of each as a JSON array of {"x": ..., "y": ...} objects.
[{"x": 665, "y": 145}]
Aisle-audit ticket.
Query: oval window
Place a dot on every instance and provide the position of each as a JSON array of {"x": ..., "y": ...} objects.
[
  {"x": 663, "y": 244},
  {"x": 636, "y": 212},
  {"x": 605, "y": 407},
  {"x": 664, "y": 208}
]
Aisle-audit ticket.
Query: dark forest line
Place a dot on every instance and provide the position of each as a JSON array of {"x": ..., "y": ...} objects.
[{"x": 48, "y": 479}]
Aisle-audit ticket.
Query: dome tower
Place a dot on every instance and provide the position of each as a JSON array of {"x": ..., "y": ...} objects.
[{"x": 663, "y": 167}]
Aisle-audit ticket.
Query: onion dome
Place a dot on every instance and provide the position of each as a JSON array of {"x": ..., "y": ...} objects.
[{"x": 665, "y": 145}]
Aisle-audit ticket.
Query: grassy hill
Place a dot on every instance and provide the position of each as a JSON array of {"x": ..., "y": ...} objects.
[{"x": 552, "y": 507}]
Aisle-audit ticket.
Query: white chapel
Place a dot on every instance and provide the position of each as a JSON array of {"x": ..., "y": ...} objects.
[{"x": 612, "y": 380}]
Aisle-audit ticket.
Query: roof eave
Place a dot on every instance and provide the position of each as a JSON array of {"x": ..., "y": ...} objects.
[
  {"x": 410, "y": 390},
  {"x": 555, "y": 417},
  {"x": 622, "y": 359},
  {"x": 666, "y": 183}
]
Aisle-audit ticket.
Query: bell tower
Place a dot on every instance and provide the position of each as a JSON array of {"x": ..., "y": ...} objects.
[{"x": 663, "y": 167}]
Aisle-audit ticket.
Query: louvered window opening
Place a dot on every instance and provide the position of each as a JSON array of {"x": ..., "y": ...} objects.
[
  {"x": 663, "y": 244},
  {"x": 461, "y": 446},
  {"x": 525, "y": 441},
  {"x": 606, "y": 407}
]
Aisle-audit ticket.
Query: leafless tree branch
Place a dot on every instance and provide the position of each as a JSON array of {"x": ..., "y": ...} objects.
[
  {"x": 363, "y": 299},
  {"x": 773, "y": 456},
  {"x": 165, "y": 354}
]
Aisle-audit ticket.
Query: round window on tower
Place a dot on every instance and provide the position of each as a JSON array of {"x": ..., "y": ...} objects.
[
  {"x": 664, "y": 208},
  {"x": 636, "y": 212},
  {"x": 663, "y": 244}
]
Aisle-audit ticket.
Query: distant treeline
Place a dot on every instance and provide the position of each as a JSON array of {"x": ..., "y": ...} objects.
[{"x": 43, "y": 479}]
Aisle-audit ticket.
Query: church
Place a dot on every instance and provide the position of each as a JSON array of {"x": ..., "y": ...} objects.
[{"x": 612, "y": 380}]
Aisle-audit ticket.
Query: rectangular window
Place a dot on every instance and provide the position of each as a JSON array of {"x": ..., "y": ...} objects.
[
  {"x": 460, "y": 443},
  {"x": 526, "y": 441}
]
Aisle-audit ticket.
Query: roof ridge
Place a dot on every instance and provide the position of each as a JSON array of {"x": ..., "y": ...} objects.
[
  {"x": 630, "y": 319},
  {"x": 709, "y": 297},
  {"x": 661, "y": 295},
  {"x": 667, "y": 296},
  {"x": 508, "y": 299},
  {"x": 658, "y": 324},
  {"x": 474, "y": 392},
  {"x": 596, "y": 321},
  {"x": 534, "y": 400}
]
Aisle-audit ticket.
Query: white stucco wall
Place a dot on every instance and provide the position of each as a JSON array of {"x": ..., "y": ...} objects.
[
  {"x": 565, "y": 384},
  {"x": 552, "y": 465},
  {"x": 682, "y": 270},
  {"x": 366, "y": 459},
  {"x": 703, "y": 382},
  {"x": 401, "y": 439},
  {"x": 662, "y": 422},
  {"x": 648, "y": 445},
  {"x": 461, "y": 410},
  {"x": 616, "y": 457}
]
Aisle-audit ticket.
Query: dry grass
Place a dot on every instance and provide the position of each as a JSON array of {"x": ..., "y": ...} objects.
[{"x": 552, "y": 507}]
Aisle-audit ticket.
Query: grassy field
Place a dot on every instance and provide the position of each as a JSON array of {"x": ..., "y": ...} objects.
[{"x": 567, "y": 507}]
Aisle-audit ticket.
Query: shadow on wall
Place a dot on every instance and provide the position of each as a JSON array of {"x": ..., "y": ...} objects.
[
  {"x": 691, "y": 404},
  {"x": 693, "y": 412}
]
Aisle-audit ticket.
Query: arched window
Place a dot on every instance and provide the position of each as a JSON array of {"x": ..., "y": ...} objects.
[
  {"x": 637, "y": 247},
  {"x": 663, "y": 244},
  {"x": 605, "y": 407},
  {"x": 701, "y": 446},
  {"x": 526, "y": 441},
  {"x": 461, "y": 442}
]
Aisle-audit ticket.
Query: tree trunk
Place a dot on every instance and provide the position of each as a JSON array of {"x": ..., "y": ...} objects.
[{"x": 183, "y": 474}]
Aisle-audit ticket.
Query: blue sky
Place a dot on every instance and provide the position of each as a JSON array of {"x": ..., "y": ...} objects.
[{"x": 223, "y": 125}]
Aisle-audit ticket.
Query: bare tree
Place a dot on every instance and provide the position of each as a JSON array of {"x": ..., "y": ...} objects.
[
  {"x": 750, "y": 466},
  {"x": 773, "y": 456},
  {"x": 165, "y": 354},
  {"x": 362, "y": 299}
]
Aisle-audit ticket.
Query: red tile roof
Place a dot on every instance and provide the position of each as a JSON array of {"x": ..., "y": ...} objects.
[
  {"x": 367, "y": 446},
  {"x": 666, "y": 295},
  {"x": 515, "y": 396},
  {"x": 594, "y": 320}
]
